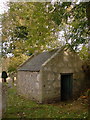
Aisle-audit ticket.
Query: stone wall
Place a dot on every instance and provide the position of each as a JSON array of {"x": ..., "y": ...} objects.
[
  {"x": 0, "y": 98},
  {"x": 29, "y": 85},
  {"x": 45, "y": 86},
  {"x": 61, "y": 62},
  {"x": 4, "y": 98}
]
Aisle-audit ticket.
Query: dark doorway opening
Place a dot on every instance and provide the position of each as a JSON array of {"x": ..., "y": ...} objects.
[{"x": 66, "y": 86}]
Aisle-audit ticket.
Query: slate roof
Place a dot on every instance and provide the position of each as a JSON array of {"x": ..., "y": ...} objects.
[{"x": 34, "y": 64}]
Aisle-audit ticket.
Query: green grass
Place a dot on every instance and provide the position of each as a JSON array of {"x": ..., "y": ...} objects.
[{"x": 19, "y": 107}]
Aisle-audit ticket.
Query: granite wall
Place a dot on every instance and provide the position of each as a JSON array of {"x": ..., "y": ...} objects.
[
  {"x": 61, "y": 62},
  {"x": 29, "y": 84},
  {"x": 4, "y": 98},
  {"x": 45, "y": 86},
  {"x": 0, "y": 98}
]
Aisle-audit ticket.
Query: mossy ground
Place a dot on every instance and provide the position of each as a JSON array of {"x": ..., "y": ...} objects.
[{"x": 19, "y": 107}]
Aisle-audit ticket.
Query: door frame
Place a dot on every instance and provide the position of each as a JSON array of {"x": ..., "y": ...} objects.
[{"x": 61, "y": 80}]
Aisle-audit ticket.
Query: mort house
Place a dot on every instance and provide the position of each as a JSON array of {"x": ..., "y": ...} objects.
[{"x": 55, "y": 75}]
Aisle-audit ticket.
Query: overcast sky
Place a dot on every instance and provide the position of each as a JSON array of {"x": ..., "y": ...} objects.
[{"x": 3, "y": 6}]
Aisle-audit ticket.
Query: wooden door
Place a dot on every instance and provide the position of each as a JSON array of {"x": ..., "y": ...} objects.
[{"x": 66, "y": 87}]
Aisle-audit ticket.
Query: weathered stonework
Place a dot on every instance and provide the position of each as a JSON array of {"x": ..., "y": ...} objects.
[
  {"x": 45, "y": 86},
  {"x": 4, "y": 98},
  {"x": 29, "y": 85},
  {"x": 0, "y": 98},
  {"x": 62, "y": 62}
]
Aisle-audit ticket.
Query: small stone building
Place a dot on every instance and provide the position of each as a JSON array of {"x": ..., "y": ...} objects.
[{"x": 51, "y": 76}]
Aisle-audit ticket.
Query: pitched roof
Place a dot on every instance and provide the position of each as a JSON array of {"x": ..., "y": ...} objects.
[{"x": 34, "y": 64}]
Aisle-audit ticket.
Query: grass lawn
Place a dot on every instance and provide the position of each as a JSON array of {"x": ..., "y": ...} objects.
[{"x": 19, "y": 107}]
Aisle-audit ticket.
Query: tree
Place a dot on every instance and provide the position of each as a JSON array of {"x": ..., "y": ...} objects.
[
  {"x": 29, "y": 28},
  {"x": 71, "y": 17},
  {"x": 14, "y": 62}
]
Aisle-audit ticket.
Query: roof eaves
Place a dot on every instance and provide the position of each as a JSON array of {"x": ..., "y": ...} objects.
[{"x": 26, "y": 61}]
